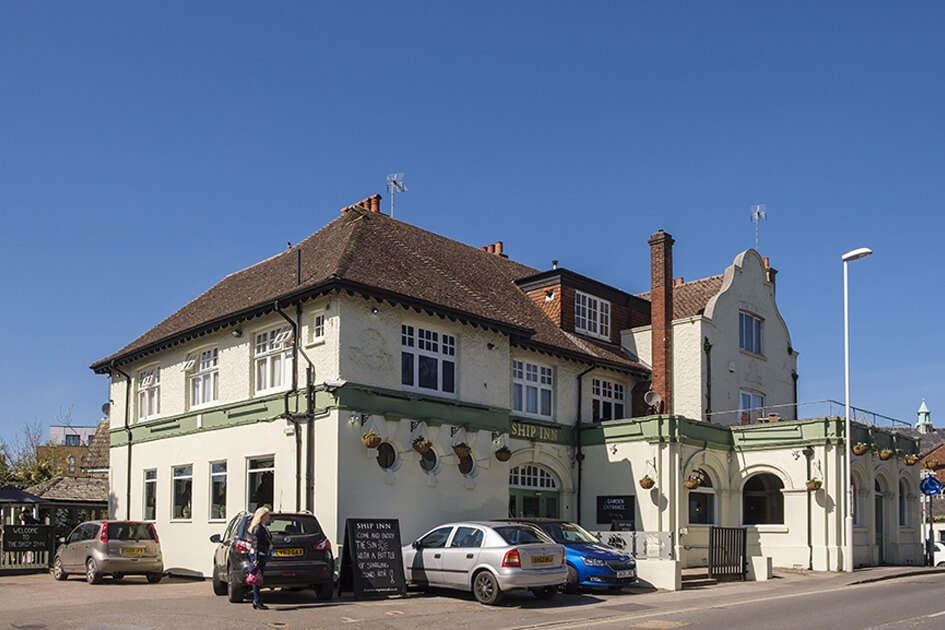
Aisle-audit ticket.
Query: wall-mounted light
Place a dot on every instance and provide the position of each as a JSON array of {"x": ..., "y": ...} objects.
[
  {"x": 237, "y": 332},
  {"x": 374, "y": 310},
  {"x": 358, "y": 417},
  {"x": 490, "y": 345}
]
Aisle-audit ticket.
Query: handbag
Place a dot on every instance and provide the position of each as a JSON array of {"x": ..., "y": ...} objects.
[{"x": 254, "y": 577}]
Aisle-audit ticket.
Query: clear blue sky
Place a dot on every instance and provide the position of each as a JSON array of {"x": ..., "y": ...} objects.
[{"x": 148, "y": 149}]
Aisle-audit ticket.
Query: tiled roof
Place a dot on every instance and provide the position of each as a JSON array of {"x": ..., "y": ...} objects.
[
  {"x": 690, "y": 298},
  {"x": 97, "y": 456},
  {"x": 372, "y": 253},
  {"x": 72, "y": 489}
]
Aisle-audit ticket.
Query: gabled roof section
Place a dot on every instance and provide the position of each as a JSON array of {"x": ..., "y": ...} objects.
[
  {"x": 690, "y": 298},
  {"x": 78, "y": 489},
  {"x": 370, "y": 253},
  {"x": 97, "y": 457}
]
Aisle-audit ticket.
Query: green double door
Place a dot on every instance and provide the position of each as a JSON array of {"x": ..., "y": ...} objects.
[{"x": 534, "y": 503}]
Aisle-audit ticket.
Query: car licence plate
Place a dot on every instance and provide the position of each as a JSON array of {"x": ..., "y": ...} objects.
[
  {"x": 132, "y": 551},
  {"x": 542, "y": 559},
  {"x": 286, "y": 553},
  {"x": 624, "y": 574}
]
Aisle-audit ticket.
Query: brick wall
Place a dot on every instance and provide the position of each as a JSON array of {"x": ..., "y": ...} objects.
[{"x": 552, "y": 307}]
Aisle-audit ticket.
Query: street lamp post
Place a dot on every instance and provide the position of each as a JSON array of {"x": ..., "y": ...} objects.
[{"x": 856, "y": 254}]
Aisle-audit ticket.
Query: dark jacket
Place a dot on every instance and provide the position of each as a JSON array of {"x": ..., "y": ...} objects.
[{"x": 263, "y": 539}]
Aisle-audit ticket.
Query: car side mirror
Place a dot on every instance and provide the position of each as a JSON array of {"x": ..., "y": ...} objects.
[
  {"x": 215, "y": 538},
  {"x": 416, "y": 544}
]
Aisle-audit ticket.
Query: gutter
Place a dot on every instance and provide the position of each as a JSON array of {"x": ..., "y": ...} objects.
[{"x": 128, "y": 433}]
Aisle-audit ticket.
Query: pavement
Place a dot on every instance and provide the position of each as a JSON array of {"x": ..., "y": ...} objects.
[{"x": 37, "y": 602}]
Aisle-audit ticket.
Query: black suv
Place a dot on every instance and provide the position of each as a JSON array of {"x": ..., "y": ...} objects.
[{"x": 300, "y": 556}]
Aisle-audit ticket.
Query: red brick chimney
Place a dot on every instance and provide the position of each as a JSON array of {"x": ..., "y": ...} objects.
[
  {"x": 371, "y": 204},
  {"x": 770, "y": 272},
  {"x": 661, "y": 300}
]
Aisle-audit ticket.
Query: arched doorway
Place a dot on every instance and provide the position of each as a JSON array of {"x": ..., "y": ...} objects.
[
  {"x": 533, "y": 492},
  {"x": 880, "y": 520}
]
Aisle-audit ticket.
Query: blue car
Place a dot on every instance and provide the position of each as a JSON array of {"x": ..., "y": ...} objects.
[{"x": 590, "y": 562}]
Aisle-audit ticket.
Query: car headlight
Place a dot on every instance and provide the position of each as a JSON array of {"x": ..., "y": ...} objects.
[{"x": 593, "y": 562}]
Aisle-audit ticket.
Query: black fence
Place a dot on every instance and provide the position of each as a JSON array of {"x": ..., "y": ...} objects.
[{"x": 727, "y": 560}]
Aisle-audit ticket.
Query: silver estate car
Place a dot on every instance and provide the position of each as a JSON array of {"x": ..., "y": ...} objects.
[
  {"x": 115, "y": 548},
  {"x": 487, "y": 557}
]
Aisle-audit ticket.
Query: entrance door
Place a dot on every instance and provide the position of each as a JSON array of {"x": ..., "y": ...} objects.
[
  {"x": 533, "y": 493},
  {"x": 880, "y": 528}
]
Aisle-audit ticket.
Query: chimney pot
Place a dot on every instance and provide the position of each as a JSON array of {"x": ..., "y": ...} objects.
[
  {"x": 484, "y": 248},
  {"x": 498, "y": 247},
  {"x": 767, "y": 262},
  {"x": 679, "y": 281},
  {"x": 492, "y": 248}
]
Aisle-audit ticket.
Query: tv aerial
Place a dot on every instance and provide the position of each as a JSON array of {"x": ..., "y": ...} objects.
[
  {"x": 758, "y": 214},
  {"x": 395, "y": 184}
]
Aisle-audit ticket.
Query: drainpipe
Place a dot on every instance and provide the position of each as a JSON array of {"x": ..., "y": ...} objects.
[
  {"x": 579, "y": 456},
  {"x": 794, "y": 378},
  {"x": 286, "y": 414},
  {"x": 809, "y": 453},
  {"x": 707, "y": 347},
  {"x": 128, "y": 434}
]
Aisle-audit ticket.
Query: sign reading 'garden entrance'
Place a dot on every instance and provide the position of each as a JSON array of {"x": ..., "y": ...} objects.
[
  {"x": 372, "y": 562},
  {"x": 617, "y": 508}
]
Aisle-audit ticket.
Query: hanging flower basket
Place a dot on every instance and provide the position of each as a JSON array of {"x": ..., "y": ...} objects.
[
  {"x": 909, "y": 460},
  {"x": 930, "y": 464},
  {"x": 462, "y": 449},
  {"x": 421, "y": 444},
  {"x": 861, "y": 448},
  {"x": 814, "y": 484},
  {"x": 647, "y": 482},
  {"x": 693, "y": 481},
  {"x": 503, "y": 454},
  {"x": 370, "y": 439},
  {"x": 886, "y": 453}
]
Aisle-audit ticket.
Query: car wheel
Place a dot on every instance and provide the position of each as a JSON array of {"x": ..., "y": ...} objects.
[
  {"x": 941, "y": 564},
  {"x": 219, "y": 586},
  {"x": 545, "y": 592},
  {"x": 58, "y": 573},
  {"x": 324, "y": 591},
  {"x": 486, "y": 588},
  {"x": 92, "y": 576},
  {"x": 571, "y": 586},
  {"x": 154, "y": 578},
  {"x": 235, "y": 592}
]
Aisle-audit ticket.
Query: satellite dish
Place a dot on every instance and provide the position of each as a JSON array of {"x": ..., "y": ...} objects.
[
  {"x": 652, "y": 399},
  {"x": 106, "y": 409}
]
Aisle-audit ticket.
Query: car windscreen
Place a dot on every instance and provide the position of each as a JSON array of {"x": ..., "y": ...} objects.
[
  {"x": 568, "y": 533},
  {"x": 293, "y": 525},
  {"x": 521, "y": 534},
  {"x": 130, "y": 531}
]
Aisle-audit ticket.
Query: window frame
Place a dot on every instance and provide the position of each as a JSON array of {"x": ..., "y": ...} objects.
[
  {"x": 543, "y": 383},
  {"x": 278, "y": 345},
  {"x": 214, "y": 480},
  {"x": 150, "y": 478},
  {"x": 751, "y": 333},
  {"x": 604, "y": 392},
  {"x": 753, "y": 397},
  {"x": 768, "y": 494},
  {"x": 420, "y": 342},
  {"x": 148, "y": 389},
  {"x": 250, "y": 471},
  {"x": 317, "y": 330},
  {"x": 189, "y": 504},
  {"x": 705, "y": 491},
  {"x": 904, "y": 521},
  {"x": 198, "y": 372},
  {"x": 592, "y": 315}
]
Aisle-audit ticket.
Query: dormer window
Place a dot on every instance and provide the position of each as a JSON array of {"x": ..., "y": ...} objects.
[{"x": 591, "y": 315}]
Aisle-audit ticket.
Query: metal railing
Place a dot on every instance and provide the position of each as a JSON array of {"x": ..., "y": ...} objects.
[
  {"x": 803, "y": 411},
  {"x": 647, "y": 545}
]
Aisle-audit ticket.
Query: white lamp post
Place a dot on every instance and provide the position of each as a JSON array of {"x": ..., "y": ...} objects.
[{"x": 856, "y": 254}]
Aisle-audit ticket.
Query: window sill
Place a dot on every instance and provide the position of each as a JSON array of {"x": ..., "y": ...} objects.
[
  {"x": 269, "y": 392},
  {"x": 752, "y": 354},
  {"x": 701, "y": 525},
  {"x": 203, "y": 406},
  {"x": 216, "y": 520},
  {"x": 769, "y": 529},
  {"x": 182, "y": 520},
  {"x": 315, "y": 342},
  {"x": 428, "y": 392}
]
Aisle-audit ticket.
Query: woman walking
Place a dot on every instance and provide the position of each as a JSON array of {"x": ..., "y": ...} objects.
[{"x": 257, "y": 528}]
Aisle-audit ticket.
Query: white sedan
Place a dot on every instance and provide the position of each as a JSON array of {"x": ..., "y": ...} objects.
[{"x": 487, "y": 557}]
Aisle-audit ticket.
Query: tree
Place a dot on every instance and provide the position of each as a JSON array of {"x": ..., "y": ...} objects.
[{"x": 23, "y": 464}]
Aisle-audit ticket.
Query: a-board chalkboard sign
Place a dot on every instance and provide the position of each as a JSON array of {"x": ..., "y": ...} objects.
[
  {"x": 372, "y": 562},
  {"x": 26, "y": 537},
  {"x": 616, "y": 508}
]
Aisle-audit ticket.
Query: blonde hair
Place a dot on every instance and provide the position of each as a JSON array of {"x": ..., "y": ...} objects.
[{"x": 258, "y": 516}]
